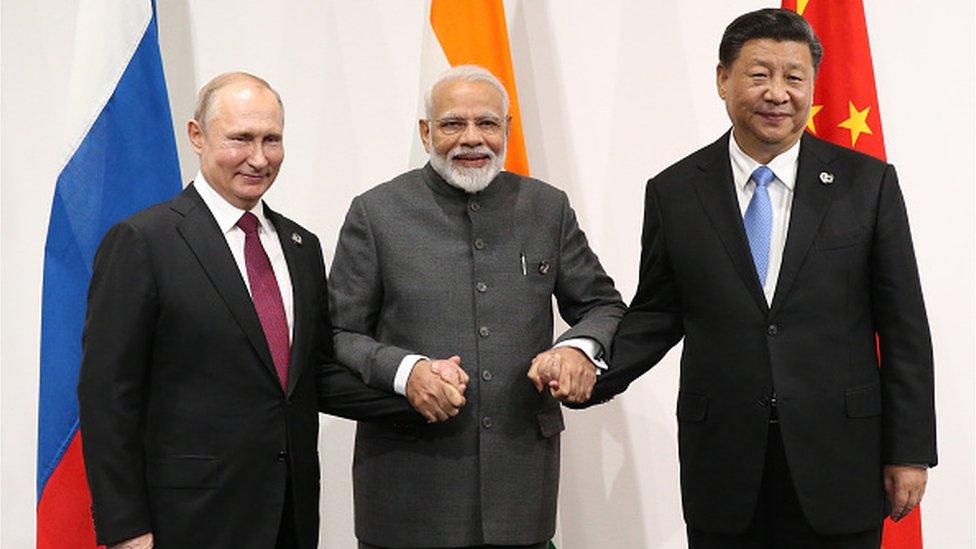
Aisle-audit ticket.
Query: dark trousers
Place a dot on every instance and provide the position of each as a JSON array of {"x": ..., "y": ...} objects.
[
  {"x": 542, "y": 545},
  {"x": 287, "y": 537},
  {"x": 779, "y": 522}
]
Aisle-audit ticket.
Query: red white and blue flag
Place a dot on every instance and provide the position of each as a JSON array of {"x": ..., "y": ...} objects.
[{"x": 124, "y": 159}]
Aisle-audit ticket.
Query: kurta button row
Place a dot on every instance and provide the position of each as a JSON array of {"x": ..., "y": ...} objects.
[
  {"x": 484, "y": 331},
  {"x": 479, "y": 244},
  {"x": 481, "y": 287}
]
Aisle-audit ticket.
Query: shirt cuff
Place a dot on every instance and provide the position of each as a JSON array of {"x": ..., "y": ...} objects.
[
  {"x": 403, "y": 372},
  {"x": 589, "y": 347}
]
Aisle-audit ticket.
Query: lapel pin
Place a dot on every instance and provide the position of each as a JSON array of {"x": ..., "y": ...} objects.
[
  {"x": 826, "y": 178},
  {"x": 543, "y": 267},
  {"x": 296, "y": 238}
]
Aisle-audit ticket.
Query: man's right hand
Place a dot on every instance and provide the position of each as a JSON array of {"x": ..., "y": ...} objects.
[
  {"x": 144, "y": 541},
  {"x": 436, "y": 388}
]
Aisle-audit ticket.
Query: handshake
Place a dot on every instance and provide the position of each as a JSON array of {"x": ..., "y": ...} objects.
[{"x": 436, "y": 388}]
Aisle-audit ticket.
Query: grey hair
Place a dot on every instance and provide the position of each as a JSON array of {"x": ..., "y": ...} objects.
[
  {"x": 466, "y": 73},
  {"x": 208, "y": 93}
]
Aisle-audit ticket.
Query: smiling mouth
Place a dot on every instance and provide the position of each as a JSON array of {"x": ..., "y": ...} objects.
[{"x": 471, "y": 160}]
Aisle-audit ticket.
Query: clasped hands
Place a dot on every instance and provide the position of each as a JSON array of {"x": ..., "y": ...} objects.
[
  {"x": 435, "y": 388},
  {"x": 566, "y": 371}
]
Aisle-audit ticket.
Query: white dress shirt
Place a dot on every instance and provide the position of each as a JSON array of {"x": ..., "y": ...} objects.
[
  {"x": 780, "y": 195},
  {"x": 227, "y": 217}
]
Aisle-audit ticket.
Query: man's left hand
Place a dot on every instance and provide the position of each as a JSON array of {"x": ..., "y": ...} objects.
[
  {"x": 566, "y": 371},
  {"x": 905, "y": 485}
]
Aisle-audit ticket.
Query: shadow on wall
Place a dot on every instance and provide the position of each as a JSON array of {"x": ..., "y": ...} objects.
[
  {"x": 179, "y": 66},
  {"x": 602, "y": 485}
]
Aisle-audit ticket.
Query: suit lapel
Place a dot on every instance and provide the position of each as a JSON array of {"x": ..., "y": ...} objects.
[
  {"x": 811, "y": 198},
  {"x": 203, "y": 236},
  {"x": 716, "y": 192},
  {"x": 301, "y": 285}
]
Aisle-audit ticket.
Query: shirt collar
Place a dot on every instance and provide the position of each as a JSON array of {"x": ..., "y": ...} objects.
[
  {"x": 783, "y": 165},
  {"x": 226, "y": 214}
]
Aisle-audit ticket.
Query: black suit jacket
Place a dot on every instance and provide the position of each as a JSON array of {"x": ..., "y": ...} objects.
[
  {"x": 186, "y": 430},
  {"x": 848, "y": 273}
]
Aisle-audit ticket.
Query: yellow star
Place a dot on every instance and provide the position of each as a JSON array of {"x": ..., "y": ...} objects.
[
  {"x": 857, "y": 123},
  {"x": 810, "y": 124},
  {"x": 801, "y": 5}
]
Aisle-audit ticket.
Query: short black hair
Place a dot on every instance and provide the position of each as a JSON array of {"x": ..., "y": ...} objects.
[{"x": 776, "y": 24}]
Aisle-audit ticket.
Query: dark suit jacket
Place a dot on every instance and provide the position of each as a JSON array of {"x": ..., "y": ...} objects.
[
  {"x": 186, "y": 430},
  {"x": 848, "y": 272}
]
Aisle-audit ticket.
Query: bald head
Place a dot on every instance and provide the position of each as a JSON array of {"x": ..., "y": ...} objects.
[{"x": 207, "y": 98}]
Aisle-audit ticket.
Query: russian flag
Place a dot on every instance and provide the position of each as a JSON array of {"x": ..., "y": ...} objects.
[{"x": 124, "y": 160}]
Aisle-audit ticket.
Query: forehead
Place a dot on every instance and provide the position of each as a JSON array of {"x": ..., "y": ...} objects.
[
  {"x": 466, "y": 98},
  {"x": 243, "y": 102},
  {"x": 766, "y": 51}
]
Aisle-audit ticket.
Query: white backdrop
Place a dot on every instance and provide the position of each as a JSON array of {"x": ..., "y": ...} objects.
[{"x": 611, "y": 93}]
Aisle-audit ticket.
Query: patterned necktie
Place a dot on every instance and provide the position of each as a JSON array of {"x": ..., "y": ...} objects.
[
  {"x": 266, "y": 296},
  {"x": 758, "y": 221}
]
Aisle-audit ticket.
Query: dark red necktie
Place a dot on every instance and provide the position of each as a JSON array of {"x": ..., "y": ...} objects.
[{"x": 266, "y": 296}]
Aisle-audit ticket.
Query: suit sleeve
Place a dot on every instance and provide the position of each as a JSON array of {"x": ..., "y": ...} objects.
[
  {"x": 653, "y": 322},
  {"x": 907, "y": 381},
  {"x": 340, "y": 391},
  {"x": 356, "y": 292},
  {"x": 585, "y": 293},
  {"x": 116, "y": 352}
]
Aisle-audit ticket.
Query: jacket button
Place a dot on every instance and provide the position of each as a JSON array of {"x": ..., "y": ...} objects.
[
  {"x": 481, "y": 287},
  {"x": 474, "y": 206},
  {"x": 486, "y": 422},
  {"x": 484, "y": 331},
  {"x": 486, "y": 375},
  {"x": 282, "y": 456},
  {"x": 772, "y": 330},
  {"x": 479, "y": 244}
]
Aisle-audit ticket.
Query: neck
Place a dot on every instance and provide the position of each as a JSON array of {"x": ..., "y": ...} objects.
[{"x": 764, "y": 153}]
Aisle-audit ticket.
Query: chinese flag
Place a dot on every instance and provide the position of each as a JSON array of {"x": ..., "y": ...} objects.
[{"x": 845, "y": 111}]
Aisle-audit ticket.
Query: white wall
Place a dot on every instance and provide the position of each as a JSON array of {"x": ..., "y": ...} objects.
[{"x": 611, "y": 93}]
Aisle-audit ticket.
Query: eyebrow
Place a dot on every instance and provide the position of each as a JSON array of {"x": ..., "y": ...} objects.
[
  {"x": 453, "y": 115},
  {"x": 771, "y": 65}
]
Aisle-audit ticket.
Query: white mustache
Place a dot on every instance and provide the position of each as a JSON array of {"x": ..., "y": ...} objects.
[{"x": 462, "y": 150}]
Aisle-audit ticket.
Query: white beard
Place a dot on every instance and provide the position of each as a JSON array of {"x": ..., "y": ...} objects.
[{"x": 469, "y": 180}]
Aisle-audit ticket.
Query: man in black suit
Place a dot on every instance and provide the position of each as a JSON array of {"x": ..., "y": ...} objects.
[
  {"x": 778, "y": 257},
  {"x": 208, "y": 350}
]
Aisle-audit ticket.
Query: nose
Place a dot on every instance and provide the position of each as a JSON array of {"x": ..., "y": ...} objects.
[
  {"x": 776, "y": 92},
  {"x": 257, "y": 159},
  {"x": 471, "y": 136}
]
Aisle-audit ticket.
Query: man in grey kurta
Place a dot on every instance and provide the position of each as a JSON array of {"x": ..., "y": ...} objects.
[{"x": 459, "y": 259}]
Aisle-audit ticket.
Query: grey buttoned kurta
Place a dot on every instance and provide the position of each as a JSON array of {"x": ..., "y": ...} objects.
[{"x": 424, "y": 268}]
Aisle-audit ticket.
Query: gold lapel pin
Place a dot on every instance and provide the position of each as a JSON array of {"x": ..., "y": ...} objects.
[
  {"x": 826, "y": 178},
  {"x": 296, "y": 238}
]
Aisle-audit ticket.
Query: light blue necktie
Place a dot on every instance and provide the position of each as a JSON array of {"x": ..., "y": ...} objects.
[{"x": 758, "y": 221}]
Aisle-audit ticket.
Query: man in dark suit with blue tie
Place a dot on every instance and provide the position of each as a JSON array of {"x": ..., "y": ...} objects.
[
  {"x": 208, "y": 351},
  {"x": 779, "y": 257}
]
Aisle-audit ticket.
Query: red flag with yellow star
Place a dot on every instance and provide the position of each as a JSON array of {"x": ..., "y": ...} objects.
[
  {"x": 845, "y": 111},
  {"x": 845, "y": 103}
]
